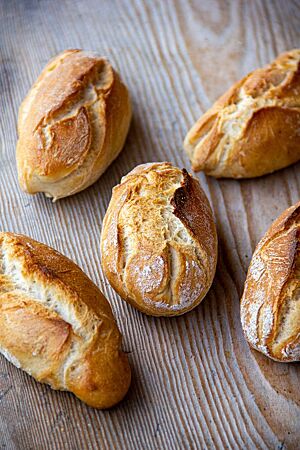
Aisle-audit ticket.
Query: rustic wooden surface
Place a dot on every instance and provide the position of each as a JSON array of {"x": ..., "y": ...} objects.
[{"x": 196, "y": 384}]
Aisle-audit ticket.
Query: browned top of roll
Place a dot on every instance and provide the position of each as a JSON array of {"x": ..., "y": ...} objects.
[
  {"x": 56, "y": 324},
  {"x": 270, "y": 307},
  {"x": 159, "y": 243},
  {"x": 254, "y": 128},
  {"x": 72, "y": 124}
]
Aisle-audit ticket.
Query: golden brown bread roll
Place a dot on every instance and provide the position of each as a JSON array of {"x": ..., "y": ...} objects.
[
  {"x": 56, "y": 324},
  {"x": 159, "y": 241},
  {"x": 254, "y": 128},
  {"x": 72, "y": 124},
  {"x": 270, "y": 307}
]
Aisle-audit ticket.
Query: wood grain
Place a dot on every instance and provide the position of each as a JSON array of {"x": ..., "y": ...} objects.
[{"x": 196, "y": 384}]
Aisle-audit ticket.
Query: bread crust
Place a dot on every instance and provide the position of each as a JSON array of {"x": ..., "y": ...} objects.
[
  {"x": 159, "y": 241},
  {"x": 72, "y": 124},
  {"x": 270, "y": 306},
  {"x": 56, "y": 324},
  {"x": 254, "y": 128}
]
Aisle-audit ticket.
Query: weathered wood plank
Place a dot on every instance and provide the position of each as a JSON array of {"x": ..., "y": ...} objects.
[{"x": 196, "y": 383}]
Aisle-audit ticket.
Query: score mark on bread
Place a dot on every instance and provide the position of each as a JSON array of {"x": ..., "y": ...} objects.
[
  {"x": 56, "y": 324},
  {"x": 270, "y": 306},
  {"x": 72, "y": 124},
  {"x": 159, "y": 242},
  {"x": 254, "y": 128}
]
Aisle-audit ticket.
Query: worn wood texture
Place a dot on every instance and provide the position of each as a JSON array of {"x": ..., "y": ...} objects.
[{"x": 196, "y": 384}]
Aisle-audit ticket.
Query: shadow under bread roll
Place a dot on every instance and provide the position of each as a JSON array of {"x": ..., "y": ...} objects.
[{"x": 57, "y": 326}]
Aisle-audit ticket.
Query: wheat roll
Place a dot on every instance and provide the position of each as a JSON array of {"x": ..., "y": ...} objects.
[
  {"x": 270, "y": 306},
  {"x": 254, "y": 128},
  {"x": 57, "y": 326},
  {"x": 159, "y": 241},
  {"x": 72, "y": 124}
]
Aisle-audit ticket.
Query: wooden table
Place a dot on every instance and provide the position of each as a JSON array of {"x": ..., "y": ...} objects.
[{"x": 196, "y": 384}]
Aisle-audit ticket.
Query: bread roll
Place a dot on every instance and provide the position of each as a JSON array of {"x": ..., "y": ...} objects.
[
  {"x": 57, "y": 326},
  {"x": 159, "y": 241},
  {"x": 254, "y": 128},
  {"x": 72, "y": 124},
  {"x": 270, "y": 307}
]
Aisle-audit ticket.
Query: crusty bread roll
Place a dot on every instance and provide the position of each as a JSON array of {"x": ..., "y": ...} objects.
[
  {"x": 159, "y": 241},
  {"x": 270, "y": 307},
  {"x": 57, "y": 326},
  {"x": 254, "y": 128},
  {"x": 72, "y": 124}
]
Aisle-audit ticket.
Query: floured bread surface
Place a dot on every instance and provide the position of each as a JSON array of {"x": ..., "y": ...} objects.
[
  {"x": 57, "y": 326},
  {"x": 159, "y": 242},
  {"x": 254, "y": 128},
  {"x": 72, "y": 124},
  {"x": 270, "y": 307}
]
